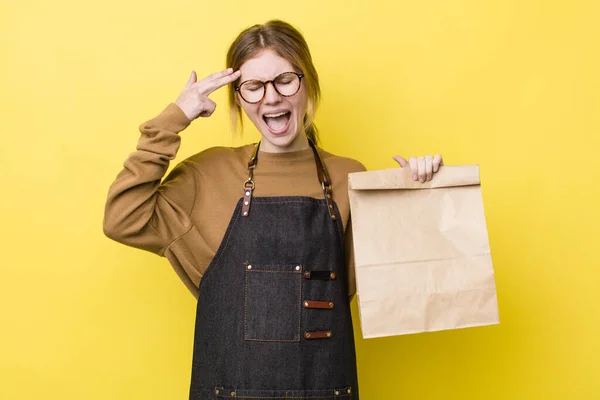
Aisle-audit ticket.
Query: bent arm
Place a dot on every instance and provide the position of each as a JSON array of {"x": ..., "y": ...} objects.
[{"x": 140, "y": 211}]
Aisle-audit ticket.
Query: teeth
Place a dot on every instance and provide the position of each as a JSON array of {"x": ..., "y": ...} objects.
[{"x": 275, "y": 115}]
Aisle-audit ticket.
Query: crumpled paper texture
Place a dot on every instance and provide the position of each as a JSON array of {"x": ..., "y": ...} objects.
[{"x": 422, "y": 253}]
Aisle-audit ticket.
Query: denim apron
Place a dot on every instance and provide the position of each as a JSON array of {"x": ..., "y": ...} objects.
[{"x": 273, "y": 317}]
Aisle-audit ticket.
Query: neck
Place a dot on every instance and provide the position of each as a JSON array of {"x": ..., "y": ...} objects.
[{"x": 299, "y": 143}]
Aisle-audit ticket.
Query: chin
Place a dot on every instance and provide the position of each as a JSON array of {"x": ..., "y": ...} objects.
[{"x": 283, "y": 139}]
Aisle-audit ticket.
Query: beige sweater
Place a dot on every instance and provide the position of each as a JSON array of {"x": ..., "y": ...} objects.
[{"x": 185, "y": 217}]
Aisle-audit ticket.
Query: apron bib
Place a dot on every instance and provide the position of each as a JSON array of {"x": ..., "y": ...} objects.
[{"x": 273, "y": 318}]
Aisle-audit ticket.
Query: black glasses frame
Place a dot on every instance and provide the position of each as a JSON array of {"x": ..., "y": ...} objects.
[{"x": 272, "y": 82}]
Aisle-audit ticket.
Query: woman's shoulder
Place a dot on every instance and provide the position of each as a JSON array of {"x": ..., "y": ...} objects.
[
  {"x": 341, "y": 165},
  {"x": 221, "y": 158}
]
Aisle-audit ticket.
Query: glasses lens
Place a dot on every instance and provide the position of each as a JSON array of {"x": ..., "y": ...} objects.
[
  {"x": 252, "y": 91},
  {"x": 287, "y": 84}
]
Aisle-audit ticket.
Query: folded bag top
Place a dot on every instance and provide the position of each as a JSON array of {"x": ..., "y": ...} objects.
[{"x": 401, "y": 178}]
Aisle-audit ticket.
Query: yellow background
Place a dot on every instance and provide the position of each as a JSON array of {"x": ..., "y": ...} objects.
[{"x": 512, "y": 85}]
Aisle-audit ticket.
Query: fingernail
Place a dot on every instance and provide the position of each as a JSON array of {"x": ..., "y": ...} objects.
[
  {"x": 229, "y": 69},
  {"x": 414, "y": 177},
  {"x": 421, "y": 180},
  {"x": 428, "y": 177}
]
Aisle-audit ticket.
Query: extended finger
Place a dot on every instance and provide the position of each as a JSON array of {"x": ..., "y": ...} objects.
[
  {"x": 207, "y": 81},
  {"x": 437, "y": 162},
  {"x": 413, "y": 168},
  {"x": 192, "y": 80},
  {"x": 421, "y": 165},
  {"x": 218, "y": 75},
  {"x": 429, "y": 167},
  {"x": 227, "y": 79},
  {"x": 401, "y": 160},
  {"x": 210, "y": 85}
]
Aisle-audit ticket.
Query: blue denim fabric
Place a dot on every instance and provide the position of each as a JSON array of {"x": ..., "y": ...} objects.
[{"x": 250, "y": 322}]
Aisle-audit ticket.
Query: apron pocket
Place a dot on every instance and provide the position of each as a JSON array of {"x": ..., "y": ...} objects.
[
  {"x": 272, "y": 302},
  {"x": 324, "y": 394}
]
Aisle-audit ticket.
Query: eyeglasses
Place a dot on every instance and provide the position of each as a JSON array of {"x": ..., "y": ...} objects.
[{"x": 286, "y": 84}]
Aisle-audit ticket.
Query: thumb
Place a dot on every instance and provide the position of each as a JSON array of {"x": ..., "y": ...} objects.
[
  {"x": 192, "y": 80},
  {"x": 401, "y": 160}
]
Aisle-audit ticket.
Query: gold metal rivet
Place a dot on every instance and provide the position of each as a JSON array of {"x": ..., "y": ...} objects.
[
  {"x": 333, "y": 217},
  {"x": 217, "y": 391},
  {"x": 328, "y": 334},
  {"x": 307, "y": 335},
  {"x": 247, "y": 193},
  {"x": 337, "y": 393},
  {"x": 232, "y": 394},
  {"x": 331, "y": 305},
  {"x": 331, "y": 206},
  {"x": 328, "y": 196},
  {"x": 349, "y": 390},
  {"x": 307, "y": 274},
  {"x": 306, "y": 304},
  {"x": 297, "y": 268},
  {"x": 332, "y": 275},
  {"x": 245, "y": 213},
  {"x": 249, "y": 266},
  {"x": 245, "y": 203}
]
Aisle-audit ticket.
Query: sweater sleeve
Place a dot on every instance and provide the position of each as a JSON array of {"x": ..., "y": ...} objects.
[{"x": 140, "y": 211}]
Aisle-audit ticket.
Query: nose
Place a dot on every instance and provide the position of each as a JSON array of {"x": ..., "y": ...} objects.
[{"x": 271, "y": 95}]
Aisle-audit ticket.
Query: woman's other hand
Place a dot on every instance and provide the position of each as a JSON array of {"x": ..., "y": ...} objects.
[
  {"x": 194, "y": 101},
  {"x": 422, "y": 168}
]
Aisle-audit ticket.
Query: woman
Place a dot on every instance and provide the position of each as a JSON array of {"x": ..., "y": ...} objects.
[{"x": 273, "y": 280}]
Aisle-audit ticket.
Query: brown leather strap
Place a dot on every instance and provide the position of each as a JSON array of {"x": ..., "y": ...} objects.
[
  {"x": 249, "y": 184},
  {"x": 254, "y": 159},
  {"x": 320, "y": 275},
  {"x": 323, "y": 305},
  {"x": 317, "y": 335},
  {"x": 321, "y": 169},
  {"x": 321, "y": 173},
  {"x": 324, "y": 179},
  {"x": 247, "y": 200}
]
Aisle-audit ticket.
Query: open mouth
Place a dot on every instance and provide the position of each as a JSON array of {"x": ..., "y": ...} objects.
[{"x": 278, "y": 122}]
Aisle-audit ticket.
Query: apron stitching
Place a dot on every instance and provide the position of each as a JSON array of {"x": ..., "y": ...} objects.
[
  {"x": 245, "y": 307},
  {"x": 279, "y": 272},
  {"x": 277, "y": 265},
  {"x": 289, "y": 201},
  {"x": 340, "y": 236},
  {"x": 286, "y": 397},
  {"x": 299, "y": 307},
  {"x": 245, "y": 302}
]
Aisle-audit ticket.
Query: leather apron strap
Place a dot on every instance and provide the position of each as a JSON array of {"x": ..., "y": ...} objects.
[{"x": 322, "y": 174}]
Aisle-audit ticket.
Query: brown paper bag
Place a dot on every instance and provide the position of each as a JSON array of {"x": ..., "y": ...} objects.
[{"x": 421, "y": 250}]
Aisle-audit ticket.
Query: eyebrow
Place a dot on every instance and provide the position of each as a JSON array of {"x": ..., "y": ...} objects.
[{"x": 241, "y": 78}]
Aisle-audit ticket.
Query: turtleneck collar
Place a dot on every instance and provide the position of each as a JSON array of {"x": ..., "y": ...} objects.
[{"x": 288, "y": 157}]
